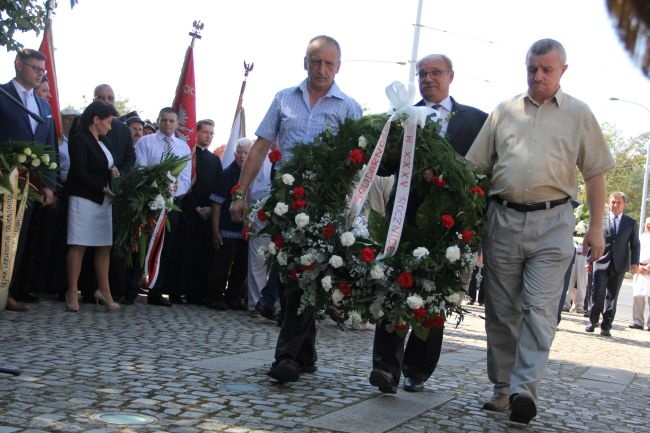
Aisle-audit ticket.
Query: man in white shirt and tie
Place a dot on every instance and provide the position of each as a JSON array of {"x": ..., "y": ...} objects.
[
  {"x": 150, "y": 150},
  {"x": 623, "y": 250}
]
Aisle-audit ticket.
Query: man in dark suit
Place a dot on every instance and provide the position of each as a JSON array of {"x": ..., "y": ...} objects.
[
  {"x": 17, "y": 125},
  {"x": 460, "y": 124},
  {"x": 608, "y": 271}
]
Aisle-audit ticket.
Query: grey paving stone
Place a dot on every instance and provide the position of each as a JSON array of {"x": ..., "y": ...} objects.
[{"x": 612, "y": 375}]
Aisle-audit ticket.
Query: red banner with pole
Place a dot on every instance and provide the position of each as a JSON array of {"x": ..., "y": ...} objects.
[{"x": 47, "y": 48}]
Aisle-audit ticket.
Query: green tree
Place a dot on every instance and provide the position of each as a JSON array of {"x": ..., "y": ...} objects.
[{"x": 23, "y": 16}]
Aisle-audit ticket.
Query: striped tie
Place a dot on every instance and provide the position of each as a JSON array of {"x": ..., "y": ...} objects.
[{"x": 168, "y": 151}]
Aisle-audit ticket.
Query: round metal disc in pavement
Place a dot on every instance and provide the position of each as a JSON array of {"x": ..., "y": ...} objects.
[{"x": 124, "y": 418}]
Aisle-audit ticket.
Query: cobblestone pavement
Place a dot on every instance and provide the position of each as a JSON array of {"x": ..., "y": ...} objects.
[{"x": 197, "y": 370}]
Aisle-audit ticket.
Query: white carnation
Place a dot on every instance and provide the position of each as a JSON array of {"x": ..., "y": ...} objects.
[
  {"x": 307, "y": 259},
  {"x": 272, "y": 249},
  {"x": 287, "y": 179},
  {"x": 363, "y": 143},
  {"x": 420, "y": 252},
  {"x": 453, "y": 299},
  {"x": 281, "y": 208},
  {"x": 336, "y": 261},
  {"x": 581, "y": 228},
  {"x": 261, "y": 251},
  {"x": 326, "y": 282},
  {"x": 282, "y": 258},
  {"x": 302, "y": 219},
  {"x": 414, "y": 302},
  {"x": 377, "y": 272},
  {"x": 347, "y": 239},
  {"x": 157, "y": 203},
  {"x": 453, "y": 254},
  {"x": 337, "y": 296}
]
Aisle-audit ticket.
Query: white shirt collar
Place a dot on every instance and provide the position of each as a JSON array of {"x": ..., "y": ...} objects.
[{"x": 20, "y": 88}]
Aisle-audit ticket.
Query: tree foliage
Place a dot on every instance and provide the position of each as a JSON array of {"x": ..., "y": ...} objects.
[{"x": 23, "y": 16}]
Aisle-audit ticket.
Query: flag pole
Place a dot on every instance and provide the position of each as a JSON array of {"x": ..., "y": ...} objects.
[{"x": 238, "y": 128}]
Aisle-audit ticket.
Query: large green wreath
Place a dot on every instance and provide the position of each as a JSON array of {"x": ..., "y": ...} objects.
[{"x": 336, "y": 267}]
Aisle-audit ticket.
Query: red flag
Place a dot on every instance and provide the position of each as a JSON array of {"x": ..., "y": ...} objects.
[
  {"x": 185, "y": 101},
  {"x": 47, "y": 48}
]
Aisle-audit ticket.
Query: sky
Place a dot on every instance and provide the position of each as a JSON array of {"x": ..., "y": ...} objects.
[{"x": 138, "y": 46}]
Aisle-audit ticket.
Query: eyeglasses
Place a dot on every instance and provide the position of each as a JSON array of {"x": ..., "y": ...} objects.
[
  {"x": 433, "y": 74},
  {"x": 36, "y": 69}
]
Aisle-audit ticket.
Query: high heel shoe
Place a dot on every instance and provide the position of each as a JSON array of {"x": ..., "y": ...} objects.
[
  {"x": 73, "y": 308},
  {"x": 110, "y": 306}
]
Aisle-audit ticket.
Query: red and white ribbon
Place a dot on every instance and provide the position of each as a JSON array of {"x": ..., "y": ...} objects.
[{"x": 152, "y": 259}]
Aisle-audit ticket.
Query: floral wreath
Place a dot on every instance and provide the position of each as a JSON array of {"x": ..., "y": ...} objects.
[{"x": 340, "y": 268}]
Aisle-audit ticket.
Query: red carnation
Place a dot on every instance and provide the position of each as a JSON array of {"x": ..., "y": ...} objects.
[
  {"x": 447, "y": 221},
  {"x": 328, "y": 231},
  {"x": 298, "y": 192},
  {"x": 356, "y": 156},
  {"x": 420, "y": 313},
  {"x": 467, "y": 236},
  {"x": 275, "y": 156},
  {"x": 261, "y": 215},
  {"x": 246, "y": 232},
  {"x": 234, "y": 188},
  {"x": 401, "y": 326},
  {"x": 438, "y": 181},
  {"x": 367, "y": 254},
  {"x": 436, "y": 322},
  {"x": 405, "y": 280},
  {"x": 344, "y": 287},
  {"x": 278, "y": 240},
  {"x": 477, "y": 190},
  {"x": 298, "y": 204}
]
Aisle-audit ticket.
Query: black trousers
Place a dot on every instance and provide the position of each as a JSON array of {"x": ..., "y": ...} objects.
[
  {"x": 297, "y": 338},
  {"x": 604, "y": 294},
  {"x": 168, "y": 275},
  {"x": 230, "y": 269},
  {"x": 195, "y": 255},
  {"x": 418, "y": 361}
]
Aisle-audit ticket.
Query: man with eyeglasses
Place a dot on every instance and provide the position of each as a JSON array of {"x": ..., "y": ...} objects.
[
  {"x": 393, "y": 355},
  {"x": 17, "y": 125}
]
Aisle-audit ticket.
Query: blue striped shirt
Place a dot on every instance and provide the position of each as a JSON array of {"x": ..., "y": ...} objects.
[{"x": 290, "y": 120}]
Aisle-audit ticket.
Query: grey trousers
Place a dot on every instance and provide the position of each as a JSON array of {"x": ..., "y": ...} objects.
[
  {"x": 638, "y": 307},
  {"x": 526, "y": 257}
]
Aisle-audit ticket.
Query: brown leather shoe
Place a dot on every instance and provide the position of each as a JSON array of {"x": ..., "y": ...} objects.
[
  {"x": 13, "y": 305},
  {"x": 498, "y": 403}
]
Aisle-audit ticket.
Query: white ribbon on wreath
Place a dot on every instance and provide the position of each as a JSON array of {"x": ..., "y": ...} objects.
[{"x": 401, "y": 101}]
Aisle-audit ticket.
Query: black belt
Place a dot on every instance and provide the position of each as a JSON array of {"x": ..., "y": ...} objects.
[{"x": 530, "y": 207}]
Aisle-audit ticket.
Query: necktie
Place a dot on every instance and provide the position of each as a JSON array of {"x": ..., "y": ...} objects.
[
  {"x": 614, "y": 225},
  {"x": 442, "y": 118},
  {"x": 167, "y": 151},
  {"x": 436, "y": 107},
  {"x": 30, "y": 103}
]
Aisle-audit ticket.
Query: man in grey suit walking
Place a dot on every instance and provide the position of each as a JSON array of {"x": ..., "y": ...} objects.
[{"x": 608, "y": 272}]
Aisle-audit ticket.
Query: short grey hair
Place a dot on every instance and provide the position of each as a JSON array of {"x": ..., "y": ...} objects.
[
  {"x": 446, "y": 59},
  {"x": 544, "y": 46}
]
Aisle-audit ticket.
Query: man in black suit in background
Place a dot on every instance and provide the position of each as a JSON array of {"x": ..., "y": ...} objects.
[
  {"x": 609, "y": 271},
  {"x": 17, "y": 125},
  {"x": 460, "y": 125}
]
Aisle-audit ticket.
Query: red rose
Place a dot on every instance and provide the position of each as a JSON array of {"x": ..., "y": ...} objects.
[
  {"x": 234, "y": 189},
  {"x": 447, "y": 221},
  {"x": 401, "y": 326},
  {"x": 246, "y": 232},
  {"x": 294, "y": 274},
  {"x": 344, "y": 287},
  {"x": 275, "y": 156},
  {"x": 298, "y": 204},
  {"x": 367, "y": 254},
  {"x": 419, "y": 313},
  {"x": 356, "y": 156},
  {"x": 477, "y": 190},
  {"x": 261, "y": 215},
  {"x": 467, "y": 236},
  {"x": 298, "y": 192},
  {"x": 438, "y": 181},
  {"x": 328, "y": 231},
  {"x": 405, "y": 280},
  {"x": 436, "y": 322},
  {"x": 278, "y": 240}
]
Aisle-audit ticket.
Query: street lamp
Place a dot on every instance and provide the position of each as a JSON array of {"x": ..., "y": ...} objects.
[{"x": 647, "y": 166}]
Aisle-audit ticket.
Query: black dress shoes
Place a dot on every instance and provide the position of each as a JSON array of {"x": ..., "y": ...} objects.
[
  {"x": 383, "y": 380},
  {"x": 522, "y": 408},
  {"x": 158, "y": 300},
  {"x": 284, "y": 370},
  {"x": 311, "y": 368},
  {"x": 605, "y": 333},
  {"x": 265, "y": 311},
  {"x": 413, "y": 385},
  {"x": 590, "y": 328}
]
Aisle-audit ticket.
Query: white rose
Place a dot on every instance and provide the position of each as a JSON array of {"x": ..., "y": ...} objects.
[
  {"x": 337, "y": 296},
  {"x": 307, "y": 259},
  {"x": 377, "y": 272},
  {"x": 302, "y": 219},
  {"x": 21, "y": 158},
  {"x": 336, "y": 261},
  {"x": 453, "y": 254},
  {"x": 420, "y": 252},
  {"x": 281, "y": 208},
  {"x": 363, "y": 143},
  {"x": 27, "y": 151},
  {"x": 53, "y": 166},
  {"x": 45, "y": 158},
  {"x": 282, "y": 258},
  {"x": 347, "y": 239},
  {"x": 453, "y": 299},
  {"x": 36, "y": 162},
  {"x": 414, "y": 302},
  {"x": 326, "y": 283},
  {"x": 287, "y": 179}
]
